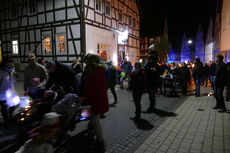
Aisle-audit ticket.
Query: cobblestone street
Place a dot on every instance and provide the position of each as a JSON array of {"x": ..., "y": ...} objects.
[{"x": 197, "y": 128}]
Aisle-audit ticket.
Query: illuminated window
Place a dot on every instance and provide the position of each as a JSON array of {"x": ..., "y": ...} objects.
[
  {"x": 32, "y": 6},
  {"x": 15, "y": 46},
  {"x": 61, "y": 44},
  {"x": 130, "y": 20},
  {"x": 107, "y": 8},
  {"x": 120, "y": 15},
  {"x": 13, "y": 9},
  {"x": 47, "y": 44},
  {"x": 103, "y": 51},
  {"x": 98, "y": 5}
]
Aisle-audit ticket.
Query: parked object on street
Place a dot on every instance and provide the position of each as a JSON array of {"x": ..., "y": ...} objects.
[{"x": 169, "y": 85}]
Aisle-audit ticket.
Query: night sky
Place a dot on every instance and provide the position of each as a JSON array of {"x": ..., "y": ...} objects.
[{"x": 182, "y": 16}]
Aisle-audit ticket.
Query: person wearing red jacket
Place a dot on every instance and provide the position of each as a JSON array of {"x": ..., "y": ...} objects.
[{"x": 95, "y": 92}]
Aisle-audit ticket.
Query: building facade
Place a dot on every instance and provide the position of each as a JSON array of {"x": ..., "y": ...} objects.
[
  {"x": 209, "y": 44},
  {"x": 145, "y": 43},
  {"x": 62, "y": 30},
  {"x": 185, "y": 51},
  {"x": 225, "y": 30},
  {"x": 112, "y": 29}
]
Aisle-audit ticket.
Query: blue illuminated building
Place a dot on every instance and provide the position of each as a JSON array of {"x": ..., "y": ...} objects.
[
  {"x": 199, "y": 49},
  {"x": 171, "y": 55},
  {"x": 185, "y": 51}
]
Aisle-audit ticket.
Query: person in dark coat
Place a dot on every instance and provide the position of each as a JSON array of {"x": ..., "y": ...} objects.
[
  {"x": 227, "y": 94},
  {"x": 212, "y": 73},
  {"x": 61, "y": 75},
  {"x": 138, "y": 87},
  {"x": 184, "y": 77},
  {"x": 152, "y": 71},
  {"x": 112, "y": 81},
  {"x": 220, "y": 82},
  {"x": 127, "y": 68},
  {"x": 76, "y": 66},
  {"x": 206, "y": 75},
  {"x": 197, "y": 74},
  {"x": 95, "y": 93}
]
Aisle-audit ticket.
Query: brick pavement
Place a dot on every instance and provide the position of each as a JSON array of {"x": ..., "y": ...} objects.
[{"x": 197, "y": 128}]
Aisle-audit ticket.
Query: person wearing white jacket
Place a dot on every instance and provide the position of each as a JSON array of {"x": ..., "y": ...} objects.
[{"x": 7, "y": 83}]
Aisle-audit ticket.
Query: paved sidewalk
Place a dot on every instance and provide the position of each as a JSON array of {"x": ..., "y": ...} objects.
[{"x": 196, "y": 128}]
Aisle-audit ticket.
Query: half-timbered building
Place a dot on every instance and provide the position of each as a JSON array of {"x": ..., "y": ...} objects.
[
  {"x": 62, "y": 30},
  {"x": 112, "y": 29}
]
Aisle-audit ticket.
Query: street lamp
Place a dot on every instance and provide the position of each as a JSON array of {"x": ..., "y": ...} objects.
[{"x": 190, "y": 42}]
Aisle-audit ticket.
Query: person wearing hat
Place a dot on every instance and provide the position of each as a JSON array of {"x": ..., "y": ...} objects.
[
  {"x": 34, "y": 70},
  {"x": 62, "y": 76},
  {"x": 152, "y": 71},
  {"x": 220, "y": 82},
  {"x": 7, "y": 82},
  {"x": 197, "y": 74},
  {"x": 43, "y": 136}
]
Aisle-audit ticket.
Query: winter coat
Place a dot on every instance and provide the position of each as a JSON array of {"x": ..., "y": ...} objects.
[
  {"x": 153, "y": 78},
  {"x": 198, "y": 70},
  {"x": 126, "y": 67},
  {"x": 113, "y": 77},
  {"x": 183, "y": 74},
  {"x": 63, "y": 76},
  {"x": 213, "y": 69},
  {"x": 76, "y": 68},
  {"x": 138, "y": 81},
  {"x": 35, "y": 71},
  {"x": 95, "y": 91},
  {"x": 206, "y": 71},
  {"x": 7, "y": 81},
  {"x": 220, "y": 80},
  {"x": 228, "y": 78}
]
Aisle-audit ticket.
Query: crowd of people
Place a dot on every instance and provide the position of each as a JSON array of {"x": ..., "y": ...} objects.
[{"x": 94, "y": 78}]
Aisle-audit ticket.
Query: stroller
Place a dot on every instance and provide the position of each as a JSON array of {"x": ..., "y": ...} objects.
[
  {"x": 169, "y": 85},
  {"x": 71, "y": 112}
]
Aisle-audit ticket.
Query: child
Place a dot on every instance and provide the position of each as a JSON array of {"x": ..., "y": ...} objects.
[
  {"x": 36, "y": 92},
  {"x": 43, "y": 136},
  {"x": 138, "y": 87}
]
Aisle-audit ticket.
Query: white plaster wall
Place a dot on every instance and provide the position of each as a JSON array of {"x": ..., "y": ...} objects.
[
  {"x": 209, "y": 52},
  {"x": 96, "y": 35},
  {"x": 225, "y": 27}
]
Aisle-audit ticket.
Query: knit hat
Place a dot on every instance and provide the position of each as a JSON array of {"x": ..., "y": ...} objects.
[
  {"x": 31, "y": 56},
  {"x": 36, "y": 81},
  {"x": 50, "y": 119}
]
